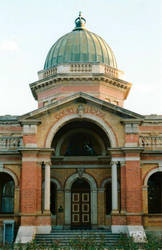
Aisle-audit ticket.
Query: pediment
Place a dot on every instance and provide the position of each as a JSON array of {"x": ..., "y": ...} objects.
[{"x": 81, "y": 99}]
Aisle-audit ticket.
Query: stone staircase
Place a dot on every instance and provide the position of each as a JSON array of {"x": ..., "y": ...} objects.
[{"x": 62, "y": 238}]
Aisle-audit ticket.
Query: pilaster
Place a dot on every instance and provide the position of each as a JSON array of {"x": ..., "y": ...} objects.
[{"x": 31, "y": 187}]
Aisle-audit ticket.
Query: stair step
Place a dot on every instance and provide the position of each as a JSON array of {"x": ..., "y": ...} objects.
[{"x": 64, "y": 237}]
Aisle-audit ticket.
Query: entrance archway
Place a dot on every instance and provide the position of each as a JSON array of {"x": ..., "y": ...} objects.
[
  {"x": 80, "y": 204},
  {"x": 93, "y": 197},
  {"x": 155, "y": 193}
]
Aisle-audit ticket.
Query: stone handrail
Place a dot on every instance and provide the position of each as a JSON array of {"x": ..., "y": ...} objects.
[
  {"x": 150, "y": 141},
  {"x": 81, "y": 67},
  {"x": 50, "y": 72},
  {"x": 111, "y": 71},
  {"x": 10, "y": 142}
]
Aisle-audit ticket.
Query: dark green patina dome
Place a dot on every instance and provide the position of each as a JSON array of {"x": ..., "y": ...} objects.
[{"x": 80, "y": 45}]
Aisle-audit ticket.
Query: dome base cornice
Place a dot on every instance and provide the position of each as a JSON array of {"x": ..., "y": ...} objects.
[{"x": 100, "y": 80}]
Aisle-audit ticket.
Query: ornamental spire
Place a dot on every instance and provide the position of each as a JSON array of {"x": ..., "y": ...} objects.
[{"x": 80, "y": 22}]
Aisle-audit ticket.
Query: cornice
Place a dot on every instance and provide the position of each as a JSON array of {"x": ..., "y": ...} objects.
[
  {"x": 130, "y": 121},
  {"x": 43, "y": 150},
  {"x": 30, "y": 122},
  {"x": 56, "y": 79}
]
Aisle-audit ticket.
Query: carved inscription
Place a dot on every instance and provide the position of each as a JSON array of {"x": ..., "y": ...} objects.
[{"x": 76, "y": 110}]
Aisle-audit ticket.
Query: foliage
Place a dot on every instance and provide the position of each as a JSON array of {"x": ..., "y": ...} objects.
[{"x": 90, "y": 243}]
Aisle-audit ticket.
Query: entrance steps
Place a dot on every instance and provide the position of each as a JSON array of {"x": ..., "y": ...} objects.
[{"x": 62, "y": 238}]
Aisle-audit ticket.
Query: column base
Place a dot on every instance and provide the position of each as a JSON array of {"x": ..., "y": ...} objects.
[
  {"x": 47, "y": 212},
  {"x": 115, "y": 211}
]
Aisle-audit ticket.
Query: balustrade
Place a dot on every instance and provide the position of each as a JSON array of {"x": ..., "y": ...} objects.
[
  {"x": 50, "y": 72},
  {"x": 110, "y": 71},
  {"x": 80, "y": 67},
  {"x": 10, "y": 142},
  {"x": 150, "y": 141}
]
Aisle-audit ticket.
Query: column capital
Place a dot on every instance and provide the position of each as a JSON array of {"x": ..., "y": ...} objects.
[
  {"x": 46, "y": 163},
  {"x": 113, "y": 162}
]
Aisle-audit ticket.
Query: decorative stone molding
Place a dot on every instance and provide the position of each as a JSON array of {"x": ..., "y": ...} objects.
[
  {"x": 131, "y": 128},
  {"x": 80, "y": 110},
  {"x": 104, "y": 182},
  {"x": 78, "y": 72},
  {"x": 153, "y": 171},
  {"x": 98, "y": 121},
  {"x": 14, "y": 177},
  {"x": 80, "y": 172},
  {"x": 57, "y": 184},
  {"x": 11, "y": 142},
  {"x": 30, "y": 129},
  {"x": 75, "y": 176}
]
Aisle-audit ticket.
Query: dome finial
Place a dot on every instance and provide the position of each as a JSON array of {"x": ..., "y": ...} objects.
[{"x": 80, "y": 21}]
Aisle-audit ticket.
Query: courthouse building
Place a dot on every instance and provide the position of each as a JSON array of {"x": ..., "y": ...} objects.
[{"x": 80, "y": 160}]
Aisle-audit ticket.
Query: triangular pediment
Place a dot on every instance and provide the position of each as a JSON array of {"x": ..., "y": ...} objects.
[{"x": 79, "y": 98}]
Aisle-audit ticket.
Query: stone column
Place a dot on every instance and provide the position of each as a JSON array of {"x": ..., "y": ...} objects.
[
  {"x": 114, "y": 187},
  {"x": 17, "y": 199},
  {"x": 47, "y": 188},
  {"x": 122, "y": 188},
  {"x": 67, "y": 208}
]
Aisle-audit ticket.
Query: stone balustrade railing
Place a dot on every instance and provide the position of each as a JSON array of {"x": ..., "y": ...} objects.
[
  {"x": 150, "y": 141},
  {"x": 50, "y": 72},
  {"x": 10, "y": 142},
  {"x": 111, "y": 71},
  {"x": 81, "y": 67}
]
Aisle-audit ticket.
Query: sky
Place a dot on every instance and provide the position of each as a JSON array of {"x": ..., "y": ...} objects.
[{"x": 132, "y": 28}]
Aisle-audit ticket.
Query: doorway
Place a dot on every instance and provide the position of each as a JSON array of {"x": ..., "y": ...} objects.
[{"x": 80, "y": 205}]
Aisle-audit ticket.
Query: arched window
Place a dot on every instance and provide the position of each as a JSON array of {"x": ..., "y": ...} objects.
[
  {"x": 80, "y": 138},
  {"x": 155, "y": 193},
  {"x": 81, "y": 144},
  {"x": 108, "y": 198},
  {"x": 8, "y": 197}
]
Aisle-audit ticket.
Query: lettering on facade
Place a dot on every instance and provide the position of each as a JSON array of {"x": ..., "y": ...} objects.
[{"x": 80, "y": 110}]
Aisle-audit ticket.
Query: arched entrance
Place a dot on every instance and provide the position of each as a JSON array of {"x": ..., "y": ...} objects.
[
  {"x": 92, "y": 197},
  {"x": 80, "y": 156},
  {"x": 80, "y": 204},
  {"x": 155, "y": 193}
]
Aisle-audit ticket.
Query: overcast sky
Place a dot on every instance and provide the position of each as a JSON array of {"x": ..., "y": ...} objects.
[{"x": 132, "y": 28}]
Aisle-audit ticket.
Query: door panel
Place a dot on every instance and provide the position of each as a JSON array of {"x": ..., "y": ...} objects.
[{"x": 80, "y": 209}]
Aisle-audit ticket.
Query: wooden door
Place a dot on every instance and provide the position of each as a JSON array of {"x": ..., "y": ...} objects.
[{"x": 80, "y": 209}]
